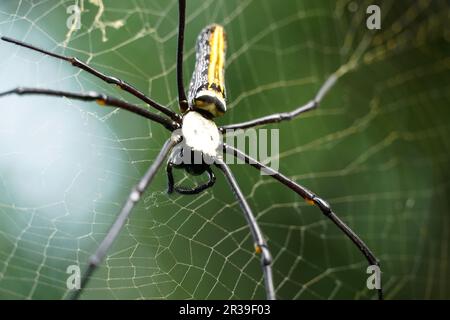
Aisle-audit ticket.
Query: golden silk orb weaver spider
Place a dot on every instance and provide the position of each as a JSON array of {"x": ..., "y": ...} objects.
[{"x": 195, "y": 134}]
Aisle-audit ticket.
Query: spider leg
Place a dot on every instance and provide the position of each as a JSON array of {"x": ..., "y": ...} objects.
[
  {"x": 111, "y": 80},
  {"x": 312, "y": 198},
  {"x": 196, "y": 190},
  {"x": 170, "y": 179},
  {"x": 182, "y": 100},
  {"x": 260, "y": 244},
  {"x": 101, "y": 99},
  {"x": 133, "y": 198},
  {"x": 284, "y": 116}
]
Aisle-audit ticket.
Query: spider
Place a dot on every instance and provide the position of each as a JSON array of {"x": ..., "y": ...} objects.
[{"x": 195, "y": 134}]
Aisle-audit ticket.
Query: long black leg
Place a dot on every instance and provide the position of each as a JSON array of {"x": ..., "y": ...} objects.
[
  {"x": 112, "y": 80},
  {"x": 284, "y": 116},
  {"x": 311, "y": 198},
  {"x": 260, "y": 244},
  {"x": 195, "y": 190},
  {"x": 181, "y": 24},
  {"x": 100, "y": 99},
  {"x": 133, "y": 198}
]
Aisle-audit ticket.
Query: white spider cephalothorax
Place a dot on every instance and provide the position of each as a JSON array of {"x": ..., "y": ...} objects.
[{"x": 201, "y": 134}]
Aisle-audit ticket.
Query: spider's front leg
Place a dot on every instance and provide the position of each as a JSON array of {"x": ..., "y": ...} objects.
[
  {"x": 311, "y": 198},
  {"x": 260, "y": 244},
  {"x": 133, "y": 199}
]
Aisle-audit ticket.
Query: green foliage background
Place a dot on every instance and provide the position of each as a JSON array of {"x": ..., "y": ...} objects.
[{"x": 377, "y": 149}]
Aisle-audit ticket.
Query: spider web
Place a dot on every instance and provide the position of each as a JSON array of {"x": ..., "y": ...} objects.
[{"x": 376, "y": 149}]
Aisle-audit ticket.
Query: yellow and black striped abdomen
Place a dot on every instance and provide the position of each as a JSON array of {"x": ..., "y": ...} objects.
[{"x": 207, "y": 87}]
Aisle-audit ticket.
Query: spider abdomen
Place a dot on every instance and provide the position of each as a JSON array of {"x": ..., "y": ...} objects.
[{"x": 207, "y": 87}]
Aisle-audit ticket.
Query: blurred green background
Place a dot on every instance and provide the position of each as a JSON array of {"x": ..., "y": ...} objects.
[{"x": 377, "y": 150}]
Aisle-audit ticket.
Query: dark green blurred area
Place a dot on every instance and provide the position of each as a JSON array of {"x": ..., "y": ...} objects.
[{"x": 376, "y": 149}]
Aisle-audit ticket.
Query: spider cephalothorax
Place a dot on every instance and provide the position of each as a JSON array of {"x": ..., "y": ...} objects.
[
  {"x": 195, "y": 143},
  {"x": 200, "y": 146}
]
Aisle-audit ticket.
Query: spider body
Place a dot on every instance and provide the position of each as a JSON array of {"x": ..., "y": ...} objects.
[
  {"x": 206, "y": 100},
  {"x": 201, "y": 134},
  {"x": 201, "y": 145},
  {"x": 195, "y": 141},
  {"x": 207, "y": 87}
]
